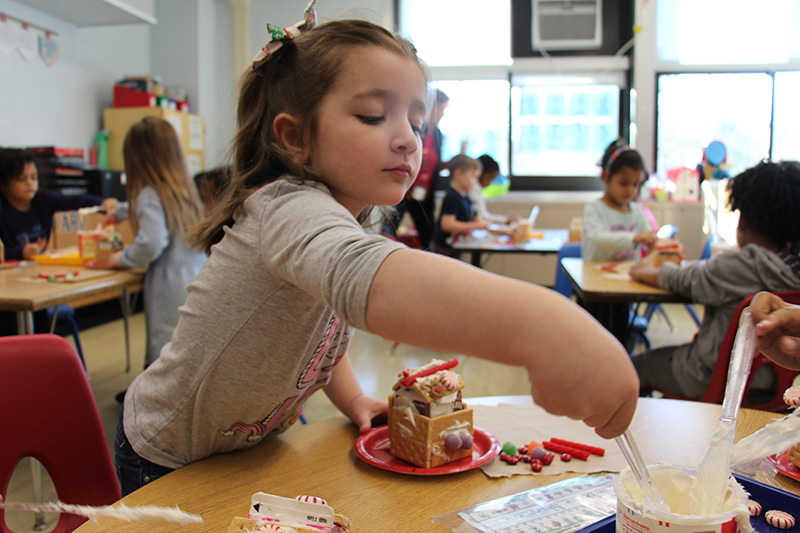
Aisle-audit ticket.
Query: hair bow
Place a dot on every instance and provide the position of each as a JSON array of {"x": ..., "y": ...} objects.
[
  {"x": 278, "y": 34},
  {"x": 616, "y": 153}
]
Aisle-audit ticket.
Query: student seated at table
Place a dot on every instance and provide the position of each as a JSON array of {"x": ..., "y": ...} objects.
[
  {"x": 457, "y": 215},
  {"x": 26, "y": 217},
  {"x": 489, "y": 171},
  {"x": 768, "y": 235}
]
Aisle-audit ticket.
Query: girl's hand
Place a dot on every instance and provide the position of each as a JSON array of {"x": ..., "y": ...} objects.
[
  {"x": 777, "y": 329},
  {"x": 646, "y": 237},
  {"x": 113, "y": 260},
  {"x": 363, "y": 409},
  {"x": 109, "y": 205}
]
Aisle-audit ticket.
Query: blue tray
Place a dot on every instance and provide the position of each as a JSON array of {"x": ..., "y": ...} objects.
[{"x": 769, "y": 498}]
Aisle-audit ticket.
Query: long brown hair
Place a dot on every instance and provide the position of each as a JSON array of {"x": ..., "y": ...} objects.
[
  {"x": 294, "y": 80},
  {"x": 154, "y": 157}
]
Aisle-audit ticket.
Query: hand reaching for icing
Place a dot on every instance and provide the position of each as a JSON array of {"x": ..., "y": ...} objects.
[{"x": 777, "y": 329}]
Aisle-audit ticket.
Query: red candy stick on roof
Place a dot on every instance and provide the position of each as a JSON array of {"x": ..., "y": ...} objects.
[{"x": 447, "y": 365}]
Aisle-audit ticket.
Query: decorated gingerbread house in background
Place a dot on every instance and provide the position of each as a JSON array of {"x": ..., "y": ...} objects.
[{"x": 429, "y": 425}]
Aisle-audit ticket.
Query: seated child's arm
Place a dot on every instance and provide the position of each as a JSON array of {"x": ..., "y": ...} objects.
[
  {"x": 777, "y": 328},
  {"x": 345, "y": 393},
  {"x": 644, "y": 272},
  {"x": 443, "y": 304},
  {"x": 450, "y": 224}
]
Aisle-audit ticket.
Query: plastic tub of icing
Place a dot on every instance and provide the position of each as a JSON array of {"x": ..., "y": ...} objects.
[{"x": 673, "y": 483}]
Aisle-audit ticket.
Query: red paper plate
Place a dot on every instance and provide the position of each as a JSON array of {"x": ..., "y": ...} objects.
[
  {"x": 93, "y": 264},
  {"x": 784, "y": 466},
  {"x": 373, "y": 447}
]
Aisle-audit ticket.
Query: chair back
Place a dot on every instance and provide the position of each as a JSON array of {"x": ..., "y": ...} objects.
[
  {"x": 49, "y": 413},
  {"x": 562, "y": 283},
  {"x": 716, "y": 389}
]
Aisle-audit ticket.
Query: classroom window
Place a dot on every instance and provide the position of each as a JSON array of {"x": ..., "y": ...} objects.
[
  {"x": 733, "y": 108},
  {"x": 561, "y": 127},
  {"x": 785, "y": 133}
]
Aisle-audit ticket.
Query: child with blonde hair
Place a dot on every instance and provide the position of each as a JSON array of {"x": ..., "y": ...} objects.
[
  {"x": 329, "y": 125},
  {"x": 165, "y": 206}
]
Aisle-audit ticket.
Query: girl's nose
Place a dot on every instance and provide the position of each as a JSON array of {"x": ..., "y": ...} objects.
[{"x": 406, "y": 140}]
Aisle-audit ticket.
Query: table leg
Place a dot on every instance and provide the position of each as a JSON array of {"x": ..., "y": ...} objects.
[
  {"x": 25, "y": 322},
  {"x": 476, "y": 259},
  {"x": 125, "y": 303}
]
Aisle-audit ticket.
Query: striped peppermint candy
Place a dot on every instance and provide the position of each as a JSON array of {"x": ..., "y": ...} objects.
[
  {"x": 779, "y": 519},
  {"x": 311, "y": 499},
  {"x": 792, "y": 396},
  {"x": 754, "y": 507}
]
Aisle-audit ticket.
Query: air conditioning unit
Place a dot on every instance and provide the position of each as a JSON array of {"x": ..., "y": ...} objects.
[{"x": 567, "y": 24}]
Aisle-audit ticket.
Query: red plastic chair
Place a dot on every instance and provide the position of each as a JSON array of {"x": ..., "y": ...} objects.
[
  {"x": 716, "y": 389},
  {"x": 49, "y": 413}
]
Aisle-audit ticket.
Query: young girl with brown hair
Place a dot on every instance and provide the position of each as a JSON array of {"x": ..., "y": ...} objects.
[{"x": 329, "y": 125}]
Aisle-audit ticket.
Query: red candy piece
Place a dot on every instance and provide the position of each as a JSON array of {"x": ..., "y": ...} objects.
[
  {"x": 522, "y": 449},
  {"x": 594, "y": 450},
  {"x": 536, "y": 465},
  {"x": 512, "y": 460},
  {"x": 561, "y": 448},
  {"x": 566, "y": 457},
  {"x": 527, "y": 458},
  {"x": 409, "y": 380},
  {"x": 754, "y": 507},
  {"x": 779, "y": 519},
  {"x": 504, "y": 456},
  {"x": 548, "y": 458}
]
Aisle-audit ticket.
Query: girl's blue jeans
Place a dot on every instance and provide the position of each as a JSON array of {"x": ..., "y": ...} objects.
[{"x": 133, "y": 471}]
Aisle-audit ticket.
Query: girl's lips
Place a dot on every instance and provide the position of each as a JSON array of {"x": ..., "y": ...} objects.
[{"x": 402, "y": 170}]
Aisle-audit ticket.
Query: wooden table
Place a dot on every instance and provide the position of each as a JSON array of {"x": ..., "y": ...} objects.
[
  {"x": 318, "y": 459},
  {"x": 23, "y": 291},
  {"x": 482, "y": 241},
  {"x": 593, "y": 284}
]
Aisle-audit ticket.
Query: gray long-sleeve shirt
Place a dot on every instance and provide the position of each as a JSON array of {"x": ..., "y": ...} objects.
[
  {"x": 608, "y": 234},
  {"x": 721, "y": 283},
  {"x": 268, "y": 317},
  {"x": 170, "y": 265}
]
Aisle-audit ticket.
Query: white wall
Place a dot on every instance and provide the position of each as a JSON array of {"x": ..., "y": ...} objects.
[{"x": 62, "y": 105}]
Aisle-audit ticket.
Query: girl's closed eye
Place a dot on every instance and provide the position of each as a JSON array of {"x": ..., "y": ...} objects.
[{"x": 370, "y": 120}]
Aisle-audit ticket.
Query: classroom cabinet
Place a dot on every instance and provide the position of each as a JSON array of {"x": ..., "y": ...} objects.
[{"x": 190, "y": 129}]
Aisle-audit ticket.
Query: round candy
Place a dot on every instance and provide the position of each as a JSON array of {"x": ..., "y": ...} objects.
[
  {"x": 792, "y": 396},
  {"x": 566, "y": 457},
  {"x": 452, "y": 441},
  {"x": 466, "y": 442},
  {"x": 754, "y": 507},
  {"x": 537, "y": 452},
  {"x": 779, "y": 519},
  {"x": 512, "y": 460},
  {"x": 509, "y": 448},
  {"x": 548, "y": 458},
  {"x": 311, "y": 499},
  {"x": 536, "y": 465}
]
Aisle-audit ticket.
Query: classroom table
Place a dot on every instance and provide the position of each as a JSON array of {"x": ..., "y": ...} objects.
[
  {"x": 479, "y": 242},
  {"x": 23, "y": 291},
  {"x": 318, "y": 459}
]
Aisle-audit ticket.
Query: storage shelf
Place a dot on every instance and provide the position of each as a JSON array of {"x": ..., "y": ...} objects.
[{"x": 92, "y": 12}]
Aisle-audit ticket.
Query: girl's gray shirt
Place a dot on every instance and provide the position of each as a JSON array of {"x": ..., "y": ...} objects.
[
  {"x": 268, "y": 317},
  {"x": 608, "y": 234}
]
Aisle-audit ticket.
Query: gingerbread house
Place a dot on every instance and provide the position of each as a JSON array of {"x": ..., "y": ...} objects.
[{"x": 429, "y": 425}]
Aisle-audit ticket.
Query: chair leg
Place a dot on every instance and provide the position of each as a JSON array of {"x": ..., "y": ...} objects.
[
  {"x": 65, "y": 312},
  {"x": 694, "y": 316}
]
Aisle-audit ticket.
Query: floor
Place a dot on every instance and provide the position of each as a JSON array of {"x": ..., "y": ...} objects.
[{"x": 375, "y": 361}]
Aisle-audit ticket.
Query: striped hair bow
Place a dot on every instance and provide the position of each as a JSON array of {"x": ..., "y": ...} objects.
[{"x": 278, "y": 34}]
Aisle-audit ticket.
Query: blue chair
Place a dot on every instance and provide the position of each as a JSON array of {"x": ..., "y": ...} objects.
[
  {"x": 563, "y": 285},
  {"x": 65, "y": 313}
]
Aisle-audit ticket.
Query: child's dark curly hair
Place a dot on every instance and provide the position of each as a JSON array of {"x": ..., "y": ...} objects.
[
  {"x": 12, "y": 163},
  {"x": 767, "y": 196}
]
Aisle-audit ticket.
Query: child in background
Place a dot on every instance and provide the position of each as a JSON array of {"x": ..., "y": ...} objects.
[
  {"x": 614, "y": 226},
  {"x": 490, "y": 170},
  {"x": 26, "y": 213},
  {"x": 165, "y": 204},
  {"x": 26, "y": 218},
  {"x": 777, "y": 328},
  {"x": 329, "y": 125},
  {"x": 457, "y": 215},
  {"x": 766, "y": 197}
]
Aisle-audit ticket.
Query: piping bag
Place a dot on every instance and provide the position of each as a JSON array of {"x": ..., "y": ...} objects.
[{"x": 711, "y": 484}]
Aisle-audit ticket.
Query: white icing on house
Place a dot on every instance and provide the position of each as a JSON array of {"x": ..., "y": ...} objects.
[{"x": 461, "y": 428}]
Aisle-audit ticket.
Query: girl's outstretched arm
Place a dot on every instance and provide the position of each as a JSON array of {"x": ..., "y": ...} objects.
[{"x": 576, "y": 367}]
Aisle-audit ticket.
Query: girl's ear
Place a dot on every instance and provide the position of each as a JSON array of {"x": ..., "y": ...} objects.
[
  {"x": 289, "y": 134},
  {"x": 604, "y": 176}
]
